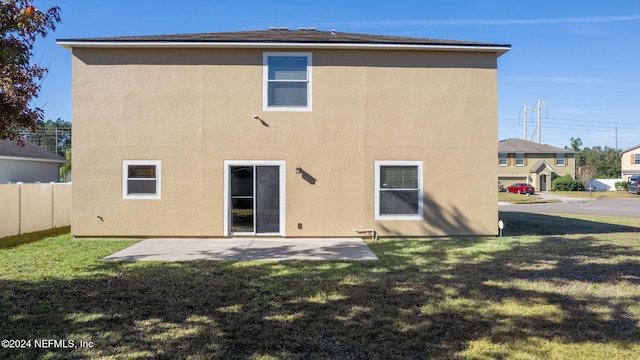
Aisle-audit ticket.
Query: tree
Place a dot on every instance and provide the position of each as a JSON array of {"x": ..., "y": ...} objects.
[
  {"x": 575, "y": 144},
  {"x": 20, "y": 25},
  {"x": 586, "y": 173},
  {"x": 605, "y": 162},
  {"x": 54, "y": 136},
  {"x": 596, "y": 162},
  {"x": 65, "y": 169}
]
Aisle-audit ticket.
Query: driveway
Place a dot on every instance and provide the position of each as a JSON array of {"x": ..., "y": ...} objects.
[
  {"x": 246, "y": 249},
  {"x": 610, "y": 207}
]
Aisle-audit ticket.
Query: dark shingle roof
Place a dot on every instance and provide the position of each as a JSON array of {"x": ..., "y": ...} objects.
[
  {"x": 10, "y": 148},
  {"x": 287, "y": 36},
  {"x": 524, "y": 146}
]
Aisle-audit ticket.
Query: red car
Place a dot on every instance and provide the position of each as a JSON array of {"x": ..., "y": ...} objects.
[{"x": 521, "y": 189}]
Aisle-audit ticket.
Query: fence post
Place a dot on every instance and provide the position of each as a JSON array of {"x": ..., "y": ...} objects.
[
  {"x": 53, "y": 205},
  {"x": 19, "y": 207}
]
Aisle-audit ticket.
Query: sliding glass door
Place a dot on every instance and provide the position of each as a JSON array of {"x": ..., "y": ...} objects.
[{"x": 254, "y": 198}]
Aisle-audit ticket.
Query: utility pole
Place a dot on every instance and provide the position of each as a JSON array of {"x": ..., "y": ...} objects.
[
  {"x": 540, "y": 106},
  {"x": 525, "y": 109},
  {"x": 616, "y": 138}
]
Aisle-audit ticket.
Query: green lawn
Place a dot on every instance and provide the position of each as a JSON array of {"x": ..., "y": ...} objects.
[
  {"x": 523, "y": 198},
  {"x": 559, "y": 287},
  {"x": 597, "y": 194}
]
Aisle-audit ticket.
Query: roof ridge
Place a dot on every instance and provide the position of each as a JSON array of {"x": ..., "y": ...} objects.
[
  {"x": 521, "y": 145},
  {"x": 291, "y": 36}
]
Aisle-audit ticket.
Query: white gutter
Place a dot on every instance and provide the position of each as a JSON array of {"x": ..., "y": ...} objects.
[
  {"x": 282, "y": 45},
  {"x": 17, "y": 158}
]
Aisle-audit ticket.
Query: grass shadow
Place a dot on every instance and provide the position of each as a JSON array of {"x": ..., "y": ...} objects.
[{"x": 9, "y": 242}]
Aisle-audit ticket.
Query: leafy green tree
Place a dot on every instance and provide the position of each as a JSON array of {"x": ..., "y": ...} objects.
[
  {"x": 20, "y": 25},
  {"x": 65, "y": 169},
  {"x": 596, "y": 162},
  {"x": 576, "y": 143}
]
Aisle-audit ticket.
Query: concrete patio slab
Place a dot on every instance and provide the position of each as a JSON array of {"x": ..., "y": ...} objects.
[{"x": 246, "y": 249}]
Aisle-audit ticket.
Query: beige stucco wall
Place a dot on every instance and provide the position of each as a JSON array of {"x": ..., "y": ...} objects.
[
  {"x": 193, "y": 108},
  {"x": 511, "y": 174}
]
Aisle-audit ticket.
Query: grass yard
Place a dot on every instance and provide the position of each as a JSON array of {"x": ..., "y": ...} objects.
[
  {"x": 596, "y": 194},
  {"x": 559, "y": 287},
  {"x": 523, "y": 198}
]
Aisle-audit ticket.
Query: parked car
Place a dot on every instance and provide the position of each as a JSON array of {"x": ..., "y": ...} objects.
[
  {"x": 632, "y": 185},
  {"x": 521, "y": 189}
]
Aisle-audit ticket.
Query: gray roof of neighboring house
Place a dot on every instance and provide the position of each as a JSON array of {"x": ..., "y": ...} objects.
[
  {"x": 285, "y": 36},
  {"x": 538, "y": 166},
  {"x": 10, "y": 148},
  {"x": 524, "y": 146}
]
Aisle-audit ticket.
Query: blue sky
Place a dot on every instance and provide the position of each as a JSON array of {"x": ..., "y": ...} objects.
[{"x": 582, "y": 58}]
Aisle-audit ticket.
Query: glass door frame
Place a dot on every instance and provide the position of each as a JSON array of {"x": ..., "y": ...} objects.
[{"x": 281, "y": 164}]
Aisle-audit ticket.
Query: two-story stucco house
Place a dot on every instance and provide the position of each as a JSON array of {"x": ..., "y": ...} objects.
[
  {"x": 291, "y": 133},
  {"x": 630, "y": 162},
  {"x": 522, "y": 161}
]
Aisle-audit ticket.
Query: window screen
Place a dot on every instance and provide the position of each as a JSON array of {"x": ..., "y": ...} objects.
[
  {"x": 399, "y": 190},
  {"x": 287, "y": 81},
  {"x": 142, "y": 179},
  {"x": 503, "y": 159}
]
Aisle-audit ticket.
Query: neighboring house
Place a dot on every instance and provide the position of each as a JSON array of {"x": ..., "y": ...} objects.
[
  {"x": 29, "y": 163},
  {"x": 630, "y": 162},
  {"x": 284, "y": 133},
  {"x": 521, "y": 161}
]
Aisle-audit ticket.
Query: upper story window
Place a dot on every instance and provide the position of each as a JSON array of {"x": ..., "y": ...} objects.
[
  {"x": 503, "y": 159},
  {"x": 141, "y": 179},
  {"x": 560, "y": 160},
  {"x": 636, "y": 159},
  {"x": 519, "y": 159},
  {"x": 287, "y": 81}
]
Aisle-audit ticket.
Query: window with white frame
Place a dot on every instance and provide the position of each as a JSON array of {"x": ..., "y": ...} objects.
[
  {"x": 141, "y": 179},
  {"x": 636, "y": 159},
  {"x": 519, "y": 159},
  {"x": 560, "y": 159},
  {"x": 503, "y": 159},
  {"x": 398, "y": 190},
  {"x": 287, "y": 81}
]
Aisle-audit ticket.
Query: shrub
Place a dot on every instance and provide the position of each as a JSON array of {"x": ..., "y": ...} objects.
[
  {"x": 566, "y": 183},
  {"x": 622, "y": 186}
]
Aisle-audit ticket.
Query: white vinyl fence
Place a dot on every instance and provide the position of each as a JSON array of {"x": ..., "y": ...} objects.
[
  {"x": 602, "y": 184},
  {"x": 26, "y": 208}
]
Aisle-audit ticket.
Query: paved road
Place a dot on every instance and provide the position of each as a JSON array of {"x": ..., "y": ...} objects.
[{"x": 613, "y": 207}]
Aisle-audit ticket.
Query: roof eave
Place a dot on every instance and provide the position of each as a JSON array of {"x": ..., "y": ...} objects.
[
  {"x": 70, "y": 44},
  {"x": 22, "y": 158},
  {"x": 629, "y": 149}
]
